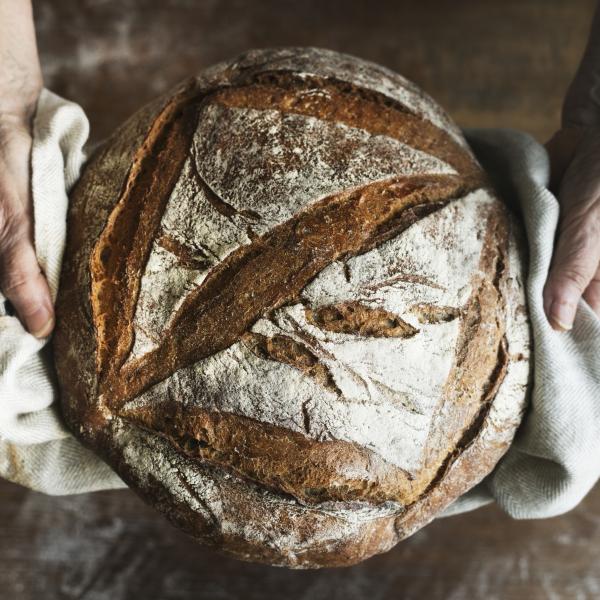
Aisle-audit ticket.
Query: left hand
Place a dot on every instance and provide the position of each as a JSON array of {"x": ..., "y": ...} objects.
[
  {"x": 21, "y": 279},
  {"x": 575, "y": 179}
]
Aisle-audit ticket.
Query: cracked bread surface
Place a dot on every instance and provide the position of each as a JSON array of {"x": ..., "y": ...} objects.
[{"x": 297, "y": 309}]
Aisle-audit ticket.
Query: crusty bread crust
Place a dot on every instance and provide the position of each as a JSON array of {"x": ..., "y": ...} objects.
[{"x": 256, "y": 489}]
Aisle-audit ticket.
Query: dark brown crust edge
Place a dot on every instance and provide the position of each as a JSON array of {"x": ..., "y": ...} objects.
[{"x": 369, "y": 547}]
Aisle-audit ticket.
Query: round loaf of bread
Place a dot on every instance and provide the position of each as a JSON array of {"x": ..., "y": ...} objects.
[{"x": 291, "y": 313}]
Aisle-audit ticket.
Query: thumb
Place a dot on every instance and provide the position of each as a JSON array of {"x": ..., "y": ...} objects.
[
  {"x": 23, "y": 283},
  {"x": 574, "y": 265}
]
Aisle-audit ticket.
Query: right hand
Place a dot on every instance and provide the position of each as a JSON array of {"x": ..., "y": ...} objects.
[
  {"x": 575, "y": 179},
  {"x": 21, "y": 279}
]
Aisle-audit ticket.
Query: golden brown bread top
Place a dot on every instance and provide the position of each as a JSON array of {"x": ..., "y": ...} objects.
[
  {"x": 104, "y": 269},
  {"x": 349, "y": 223}
]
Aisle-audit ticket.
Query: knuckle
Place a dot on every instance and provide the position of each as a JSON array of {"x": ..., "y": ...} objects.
[
  {"x": 21, "y": 287},
  {"x": 13, "y": 283},
  {"x": 579, "y": 237},
  {"x": 574, "y": 277},
  {"x": 576, "y": 257},
  {"x": 18, "y": 274},
  {"x": 582, "y": 230},
  {"x": 13, "y": 224}
]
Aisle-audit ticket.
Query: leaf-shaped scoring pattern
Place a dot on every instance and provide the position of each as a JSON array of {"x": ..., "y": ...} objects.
[{"x": 222, "y": 309}]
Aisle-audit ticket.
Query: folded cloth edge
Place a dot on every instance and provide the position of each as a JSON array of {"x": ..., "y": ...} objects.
[
  {"x": 36, "y": 449},
  {"x": 521, "y": 169}
]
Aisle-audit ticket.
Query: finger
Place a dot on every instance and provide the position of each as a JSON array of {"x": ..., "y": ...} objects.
[
  {"x": 574, "y": 265},
  {"x": 592, "y": 293},
  {"x": 23, "y": 283}
]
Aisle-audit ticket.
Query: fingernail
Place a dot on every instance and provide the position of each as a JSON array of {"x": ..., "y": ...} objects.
[
  {"x": 41, "y": 322},
  {"x": 562, "y": 314}
]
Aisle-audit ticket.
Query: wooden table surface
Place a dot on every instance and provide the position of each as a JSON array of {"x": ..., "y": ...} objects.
[
  {"x": 111, "y": 546},
  {"x": 491, "y": 64}
]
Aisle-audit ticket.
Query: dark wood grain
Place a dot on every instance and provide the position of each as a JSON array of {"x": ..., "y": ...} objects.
[
  {"x": 489, "y": 63},
  {"x": 109, "y": 545}
]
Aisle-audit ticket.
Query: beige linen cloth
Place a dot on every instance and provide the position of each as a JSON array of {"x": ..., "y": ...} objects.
[
  {"x": 554, "y": 460},
  {"x": 36, "y": 450}
]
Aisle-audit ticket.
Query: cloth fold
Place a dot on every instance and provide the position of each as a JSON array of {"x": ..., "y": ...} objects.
[
  {"x": 36, "y": 449},
  {"x": 554, "y": 460}
]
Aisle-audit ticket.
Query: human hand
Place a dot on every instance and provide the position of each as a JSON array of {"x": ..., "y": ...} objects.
[
  {"x": 575, "y": 178},
  {"x": 21, "y": 279}
]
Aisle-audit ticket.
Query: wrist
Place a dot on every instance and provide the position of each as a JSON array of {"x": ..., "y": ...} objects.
[
  {"x": 20, "y": 71},
  {"x": 581, "y": 106}
]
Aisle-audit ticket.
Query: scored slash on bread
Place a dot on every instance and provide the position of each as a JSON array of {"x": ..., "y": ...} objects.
[{"x": 255, "y": 265}]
